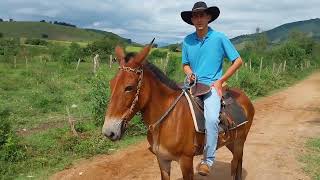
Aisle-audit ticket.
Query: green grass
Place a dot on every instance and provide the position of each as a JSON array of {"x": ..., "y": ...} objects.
[
  {"x": 36, "y": 97},
  {"x": 311, "y": 158}
]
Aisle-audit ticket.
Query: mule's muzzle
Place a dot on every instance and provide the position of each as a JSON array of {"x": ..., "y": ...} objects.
[{"x": 114, "y": 129}]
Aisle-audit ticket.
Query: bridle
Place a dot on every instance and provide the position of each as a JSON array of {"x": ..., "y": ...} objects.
[{"x": 130, "y": 111}]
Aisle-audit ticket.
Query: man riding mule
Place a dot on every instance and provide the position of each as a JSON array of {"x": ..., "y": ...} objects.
[
  {"x": 140, "y": 86},
  {"x": 202, "y": 56}
]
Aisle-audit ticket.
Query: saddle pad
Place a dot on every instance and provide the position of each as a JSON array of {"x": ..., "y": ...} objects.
[
  {"x": 198, "y": 117},
  {"x": 234, "y": 110}
]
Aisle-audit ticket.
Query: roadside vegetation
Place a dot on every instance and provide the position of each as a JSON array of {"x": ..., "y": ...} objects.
[{"x": 311, "y": 158}]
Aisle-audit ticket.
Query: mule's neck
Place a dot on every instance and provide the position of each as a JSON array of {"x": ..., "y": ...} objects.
[{"x": 159, "y": 98}]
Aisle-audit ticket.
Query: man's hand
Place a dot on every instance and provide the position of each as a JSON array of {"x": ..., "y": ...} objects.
[
  {"x": 191, "y": 78},
  {"x": 218, "y": 86}
]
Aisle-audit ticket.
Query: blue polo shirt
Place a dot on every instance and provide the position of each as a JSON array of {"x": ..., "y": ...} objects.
[{"x": 205, "y": 57}]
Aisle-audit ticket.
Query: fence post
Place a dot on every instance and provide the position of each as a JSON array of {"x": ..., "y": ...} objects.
[
  {"x": 284, "y": 66},
  {"x": 95, "y": 63},
  {"x": 250, "y": 64},
  {"x": 279, "y": 69},
  {"x": 15, "y": 62},
  {"x": 273, "y": 68},
  {"x": 110, "y": 61},
  {"x": 260, "y": 66},
  {"x": 26, "y": 62},
  {"x": 78, "y": 64}
]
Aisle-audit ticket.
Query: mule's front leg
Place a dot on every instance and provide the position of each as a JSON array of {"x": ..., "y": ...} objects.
[
  {"x": 165, "y": 167},
  {"x": 186, "y": 165}
]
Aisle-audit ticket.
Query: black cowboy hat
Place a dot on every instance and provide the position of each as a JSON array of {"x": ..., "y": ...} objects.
[{"x": 200, "y": 6}]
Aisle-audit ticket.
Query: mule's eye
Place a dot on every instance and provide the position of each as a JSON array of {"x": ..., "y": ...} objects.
[{"x": 128, "y": 88}]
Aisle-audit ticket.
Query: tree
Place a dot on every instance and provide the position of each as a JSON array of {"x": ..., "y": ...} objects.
[
  {"x": 44, "y": 36},
  {"x": 302, "y": 40},
  {"x": 1, "y": 20},
  {"x": 104, "y": 47},
  {"x": 1, "y": 35}
]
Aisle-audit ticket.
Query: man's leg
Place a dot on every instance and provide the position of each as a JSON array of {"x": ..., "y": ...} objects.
[{"x": 211, "y": 114}]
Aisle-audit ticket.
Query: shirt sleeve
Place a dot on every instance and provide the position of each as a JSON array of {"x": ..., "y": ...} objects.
[
  {"x": 185, "y": 59},
  {"x": 230, "y": 51}
]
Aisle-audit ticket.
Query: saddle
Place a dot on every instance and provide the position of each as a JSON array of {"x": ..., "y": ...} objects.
[{"x": 231, "y": 113}]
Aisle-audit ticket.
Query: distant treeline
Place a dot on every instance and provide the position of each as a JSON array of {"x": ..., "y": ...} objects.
[
  {"x": 54, "y": 22},
  {"x": 60, "y": 23}
]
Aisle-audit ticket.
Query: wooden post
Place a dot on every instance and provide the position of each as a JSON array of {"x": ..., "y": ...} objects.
[
  {"x": 26, "y": 61},
  {"x": 273, "y": 68},
  {"x": 95, "y": 63},
  {"x": 71, "y": 122},
  {"x": 279, "y": 69},
  {"x": 284, "y": 66},
  {"x": 110, "y": 61},
  {"x": 250, "y": 64},
  {"x": 301, "y": 66},
  {"x": 260, "y": 66},
  {"x": 166, "y": 63},
  {"x": 15, "y": 62},
  {"x": 78, "y": 64}
]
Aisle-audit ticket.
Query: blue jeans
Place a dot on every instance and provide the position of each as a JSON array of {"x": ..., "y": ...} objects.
[{"x": 211, "y": 115}]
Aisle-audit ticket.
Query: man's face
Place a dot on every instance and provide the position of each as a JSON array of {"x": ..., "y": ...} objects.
[{"x": 200, "y": 19}]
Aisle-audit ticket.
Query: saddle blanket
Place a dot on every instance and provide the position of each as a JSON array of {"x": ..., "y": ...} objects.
[{"x": 234, "y": 112}]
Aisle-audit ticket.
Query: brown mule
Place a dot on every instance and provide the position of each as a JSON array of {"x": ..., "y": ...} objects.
[{"x": 140, "y": 86}]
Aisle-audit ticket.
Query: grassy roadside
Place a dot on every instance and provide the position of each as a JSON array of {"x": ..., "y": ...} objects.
[{"x": 311, "y": 158}]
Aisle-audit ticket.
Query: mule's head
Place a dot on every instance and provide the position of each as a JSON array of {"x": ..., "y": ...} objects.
[{"x": 125, "y": 92}]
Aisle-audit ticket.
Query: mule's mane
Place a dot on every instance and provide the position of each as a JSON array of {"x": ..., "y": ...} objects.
[{"x": 157, "y": 72}]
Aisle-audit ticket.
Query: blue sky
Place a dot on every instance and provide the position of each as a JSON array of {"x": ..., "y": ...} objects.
[{"x": 142, "y": 20}]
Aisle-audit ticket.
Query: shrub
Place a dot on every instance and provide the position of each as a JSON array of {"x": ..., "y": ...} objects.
[
  {"x": 99, "y": 94},
  {"x": 36, "y": 42},
  {"x": 157, "y": 54},
  {"x": 10, "y": 148}
]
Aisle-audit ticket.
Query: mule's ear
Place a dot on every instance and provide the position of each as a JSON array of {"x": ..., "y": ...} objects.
[
  {"x": 141, "y": 56},
  {"x": 119, "y": 53}
]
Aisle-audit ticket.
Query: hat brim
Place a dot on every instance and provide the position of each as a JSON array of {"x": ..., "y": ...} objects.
[{"x": 213, "y": 11}]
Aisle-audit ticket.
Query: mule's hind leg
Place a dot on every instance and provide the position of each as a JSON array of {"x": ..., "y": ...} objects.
[
  {"x": 165, "y": 167},
  {"x": 236, "y": 164},
  {"x": 186, "y": 165}
]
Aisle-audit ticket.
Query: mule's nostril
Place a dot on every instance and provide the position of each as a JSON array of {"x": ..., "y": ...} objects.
[{"x": 111, "y": 134}]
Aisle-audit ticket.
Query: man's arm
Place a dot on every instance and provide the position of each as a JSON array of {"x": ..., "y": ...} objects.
[{"x": 230, "y": 71}]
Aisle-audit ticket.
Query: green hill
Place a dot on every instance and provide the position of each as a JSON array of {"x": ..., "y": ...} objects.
[
  {"x": 280, "y": 33},
  {"x": 53, "y": 32}
]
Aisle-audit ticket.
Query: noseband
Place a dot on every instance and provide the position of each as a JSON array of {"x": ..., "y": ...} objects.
[{"x": 129, "y": 112}]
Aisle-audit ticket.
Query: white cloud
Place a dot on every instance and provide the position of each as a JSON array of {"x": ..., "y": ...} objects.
[{"x": 141, "y": 21}]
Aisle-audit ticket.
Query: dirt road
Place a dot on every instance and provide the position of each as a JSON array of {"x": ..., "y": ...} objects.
[{"x": 282, "y": 123}]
